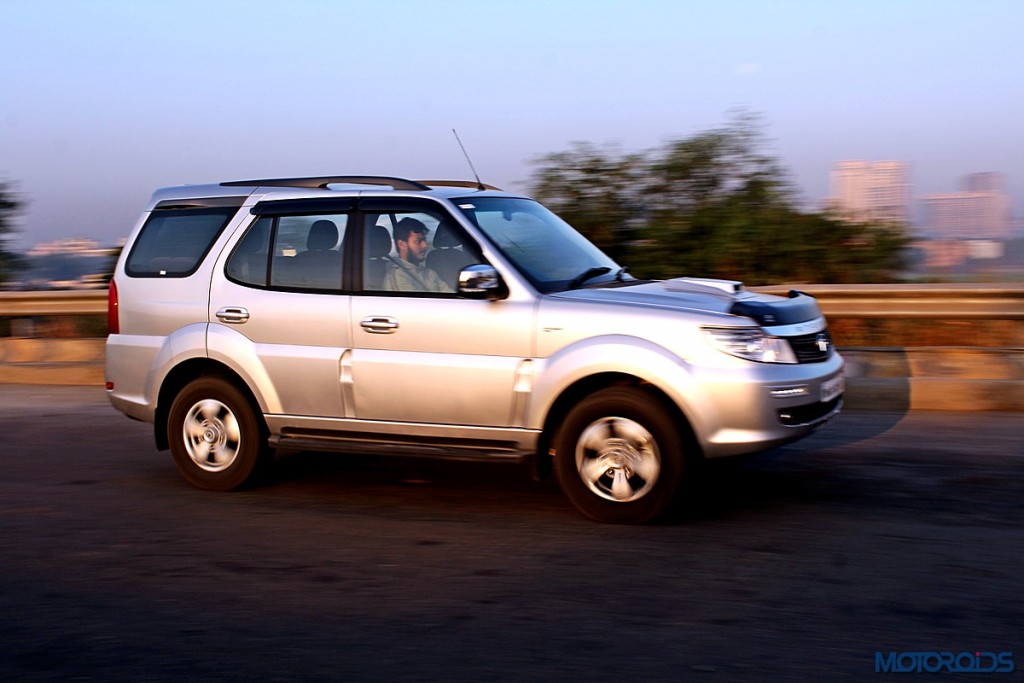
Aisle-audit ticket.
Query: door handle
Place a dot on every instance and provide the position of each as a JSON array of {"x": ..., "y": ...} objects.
[
  {"x": 236, "y": 315},
  {"x": 379, "y": 324}
]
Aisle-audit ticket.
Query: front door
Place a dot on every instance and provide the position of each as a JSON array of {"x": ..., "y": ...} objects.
[{"x": 421, "y": 353}]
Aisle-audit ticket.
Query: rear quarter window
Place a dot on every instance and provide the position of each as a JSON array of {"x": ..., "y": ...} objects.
[{"x": 173, "y": 242}]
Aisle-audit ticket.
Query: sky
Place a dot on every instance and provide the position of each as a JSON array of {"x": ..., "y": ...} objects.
[{"x": 103, "y": 101}]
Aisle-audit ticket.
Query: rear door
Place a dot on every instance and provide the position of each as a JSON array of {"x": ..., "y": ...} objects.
[{"x": 280, "y": 310}]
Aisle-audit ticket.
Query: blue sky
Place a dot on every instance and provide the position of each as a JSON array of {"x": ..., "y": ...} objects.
[{"x": 101, "y": 102}]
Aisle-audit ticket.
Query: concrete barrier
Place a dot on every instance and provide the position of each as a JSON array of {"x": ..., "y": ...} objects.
[
  {"x": 52, "y": 361},
  {"x": 934, "y": 378}
]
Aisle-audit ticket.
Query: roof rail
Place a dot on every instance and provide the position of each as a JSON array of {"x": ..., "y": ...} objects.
[
  {"x": 458, "y": 183},
  {"x": 324, "y": 181}
]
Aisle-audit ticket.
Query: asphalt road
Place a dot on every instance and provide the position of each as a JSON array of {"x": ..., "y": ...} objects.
[{"x": 882, "y": 533}]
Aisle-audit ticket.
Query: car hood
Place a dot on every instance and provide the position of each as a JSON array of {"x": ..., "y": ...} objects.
[{"x": 710, "y": 296}]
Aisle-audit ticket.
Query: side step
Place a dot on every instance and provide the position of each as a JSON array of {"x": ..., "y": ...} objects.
[{"x": 489, "y": 452}]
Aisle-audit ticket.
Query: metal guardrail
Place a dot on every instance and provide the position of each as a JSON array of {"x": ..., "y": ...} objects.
[
  {"x": 946, "y": 301},
  {"x": 30, "y": 304},
  {"x": 966, "y": 301}
]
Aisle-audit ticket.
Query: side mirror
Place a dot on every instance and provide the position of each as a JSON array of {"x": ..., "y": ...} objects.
[{"x": 481, "y": 281}]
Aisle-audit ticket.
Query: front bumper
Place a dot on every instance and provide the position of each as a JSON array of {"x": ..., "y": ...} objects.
[{"x": 767, "y": 406}]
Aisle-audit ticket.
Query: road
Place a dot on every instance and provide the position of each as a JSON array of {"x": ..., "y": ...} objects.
[{"x": 882, "y": 533}]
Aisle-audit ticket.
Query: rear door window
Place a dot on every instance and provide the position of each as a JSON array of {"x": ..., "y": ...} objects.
[{"x": 302, "y": 252}]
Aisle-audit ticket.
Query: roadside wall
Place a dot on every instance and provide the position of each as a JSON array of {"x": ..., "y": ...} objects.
[
  {"x": 907, "y": 347},
  {"x": 935, "y": 378},
  {"x": 925, "y": 378},
  {"x": 51, "y": 361}
]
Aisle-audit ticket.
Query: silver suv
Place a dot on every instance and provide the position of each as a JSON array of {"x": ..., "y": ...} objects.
[{"x": 367, "y": 314}]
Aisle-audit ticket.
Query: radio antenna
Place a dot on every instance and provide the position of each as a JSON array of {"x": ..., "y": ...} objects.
[{"x": 479, "y": 184}]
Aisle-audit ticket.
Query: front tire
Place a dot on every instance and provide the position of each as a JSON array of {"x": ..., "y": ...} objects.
[
  {"x": 619, "y": 456},
  {"x": 216, "y": 437}
]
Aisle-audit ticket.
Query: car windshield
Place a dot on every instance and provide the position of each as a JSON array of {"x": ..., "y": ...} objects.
[{"x": 546, "y": 249}]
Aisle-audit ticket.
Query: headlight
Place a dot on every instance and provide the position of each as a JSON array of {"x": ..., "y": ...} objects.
[{"x": 751, "y": 343}]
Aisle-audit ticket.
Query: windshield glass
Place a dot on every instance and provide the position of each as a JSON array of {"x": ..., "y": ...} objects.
[{"x": 546, "y": 249}]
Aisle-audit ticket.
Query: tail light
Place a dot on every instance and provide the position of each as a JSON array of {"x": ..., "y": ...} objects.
[{"x": 113, "y": 319}]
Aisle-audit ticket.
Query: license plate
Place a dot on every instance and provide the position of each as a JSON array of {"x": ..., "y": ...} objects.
[{"x": 832, "y": 388}]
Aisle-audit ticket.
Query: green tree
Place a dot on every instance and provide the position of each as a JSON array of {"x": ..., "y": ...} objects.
[
  {"x": 10, "y": 205},
  {"x": 715, "y": 205},
  {"x": 597, "y": 189}
]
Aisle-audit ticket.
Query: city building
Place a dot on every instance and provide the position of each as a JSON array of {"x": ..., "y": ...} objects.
[
  {"x": 78, "y": 246},
  {"x": 980, "y": 212},
  {"x": 877, "y": 191}
]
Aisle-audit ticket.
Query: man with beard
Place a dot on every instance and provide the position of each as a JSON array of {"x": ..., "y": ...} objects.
[{"x": 408, "y": 272}]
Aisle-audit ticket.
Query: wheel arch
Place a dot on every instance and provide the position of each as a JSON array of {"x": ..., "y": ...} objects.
[
  {"x": 179, "y": 377},
  {"x": 586, "y": 386}
]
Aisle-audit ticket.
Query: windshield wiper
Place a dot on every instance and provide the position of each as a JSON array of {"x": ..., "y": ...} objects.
[
  {"x": 621, "y": 273},
  {"x": 588, "y": 274}
]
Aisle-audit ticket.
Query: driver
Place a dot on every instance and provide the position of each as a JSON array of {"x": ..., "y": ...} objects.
[{"x": 408, "y": 272}]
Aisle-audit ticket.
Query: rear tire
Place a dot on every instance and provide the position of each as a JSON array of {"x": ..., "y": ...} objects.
[
  {"x": 619, "y": 456},
  {"x": 216, "y": 437}
]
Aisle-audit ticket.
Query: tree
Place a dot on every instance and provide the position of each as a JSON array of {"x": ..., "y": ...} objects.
[
  {"x": 10, "y": 205},
  {"x": 715, "y": 205},
  {"x": 597, "y": 189}
]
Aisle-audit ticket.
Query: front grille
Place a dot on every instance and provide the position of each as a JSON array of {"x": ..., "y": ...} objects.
[
  {"x": 808, "y": 347},
  {"x": 808, "y": 414}
]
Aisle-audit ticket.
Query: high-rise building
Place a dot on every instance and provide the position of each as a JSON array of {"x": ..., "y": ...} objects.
[
  {"x": 982, "y": 211},
  {"x": 871, "y": 191}
]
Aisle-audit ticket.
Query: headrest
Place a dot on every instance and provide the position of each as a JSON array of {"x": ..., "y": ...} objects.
[
  {"x": 323, "y": 235},
  {"x": 445, "y": 236},
  {"x": 379, "y": 241}
]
